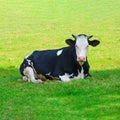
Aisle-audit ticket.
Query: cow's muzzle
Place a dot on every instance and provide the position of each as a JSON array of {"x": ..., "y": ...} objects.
[{"x": 81, "y": 59}]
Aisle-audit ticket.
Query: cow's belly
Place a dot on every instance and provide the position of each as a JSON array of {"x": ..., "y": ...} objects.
[{"x": 46, "y": 77}]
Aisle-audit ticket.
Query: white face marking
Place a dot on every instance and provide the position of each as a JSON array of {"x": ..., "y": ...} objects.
[
  {"x": 59, "y": 52},
  {"x": 81, "y": 48}
]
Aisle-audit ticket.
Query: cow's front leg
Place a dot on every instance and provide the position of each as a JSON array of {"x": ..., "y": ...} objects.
[
  {"x": 65, "y": 78},
  {"x": 29, "y": 74},
  {"x": 80, "y": 75}
]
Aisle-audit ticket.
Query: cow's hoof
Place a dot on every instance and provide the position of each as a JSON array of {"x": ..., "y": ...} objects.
[
  {"x": 25, "y": 78},
  {"x": 39, "y": 81},
  {"x": 87, "y": 75}
]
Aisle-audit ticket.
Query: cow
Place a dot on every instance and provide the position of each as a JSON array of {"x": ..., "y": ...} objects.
[{"x": 64, "y": 64}]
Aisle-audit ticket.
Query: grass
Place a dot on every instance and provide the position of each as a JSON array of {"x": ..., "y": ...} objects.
[{"x": 29, "y": 25}]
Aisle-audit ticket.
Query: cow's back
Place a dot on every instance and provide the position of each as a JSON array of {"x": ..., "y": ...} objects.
[{"x": 44, "y": 61}]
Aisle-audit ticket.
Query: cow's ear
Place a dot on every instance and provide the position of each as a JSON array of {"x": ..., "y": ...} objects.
[
  {"x": 94, "y": 43},
  {"x": 70, "y": 42}
]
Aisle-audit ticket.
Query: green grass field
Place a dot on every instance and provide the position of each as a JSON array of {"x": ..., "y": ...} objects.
[{"x": 27, "y": 25}]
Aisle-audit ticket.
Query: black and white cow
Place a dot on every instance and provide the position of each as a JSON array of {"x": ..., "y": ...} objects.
[{"x": 65, "y": 64}]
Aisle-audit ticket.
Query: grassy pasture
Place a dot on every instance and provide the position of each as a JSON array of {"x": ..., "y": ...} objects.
[{"x": 45, "y": 24}]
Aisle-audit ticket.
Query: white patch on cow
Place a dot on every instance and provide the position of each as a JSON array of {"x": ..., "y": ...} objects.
[
  {"x": 25, "y": 78},
  {"x": 80, "y": 74},
  {"x": 29, "y": 62},
  {"x": 48, "y": 73},
  {"x": 59, "y": 52},
  {"x": 65, "y": 78},
  {"x": 71, "y": 75},
  {"x": 29, "y": 73},
  {"x": 81, "y": 46}
]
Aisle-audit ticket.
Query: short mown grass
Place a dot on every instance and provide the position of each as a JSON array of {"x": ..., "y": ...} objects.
[{"x": 35, "y": 25}]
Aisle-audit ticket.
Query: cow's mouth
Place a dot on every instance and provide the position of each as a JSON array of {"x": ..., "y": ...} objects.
[{"x": 81, "y": 62}]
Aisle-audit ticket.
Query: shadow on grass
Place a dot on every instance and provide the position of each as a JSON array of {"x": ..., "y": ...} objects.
[
  {"x": 106, "y": 74},
  {"x": 85, "y": 99},
  {"x": 12, "y": 73}
]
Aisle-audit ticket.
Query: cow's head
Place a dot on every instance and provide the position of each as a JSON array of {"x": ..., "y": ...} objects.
[{"x": 81, "y": 44}]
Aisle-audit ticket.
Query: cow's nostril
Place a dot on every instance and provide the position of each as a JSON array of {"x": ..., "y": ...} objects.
[{"x": 81, "y": 59}]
